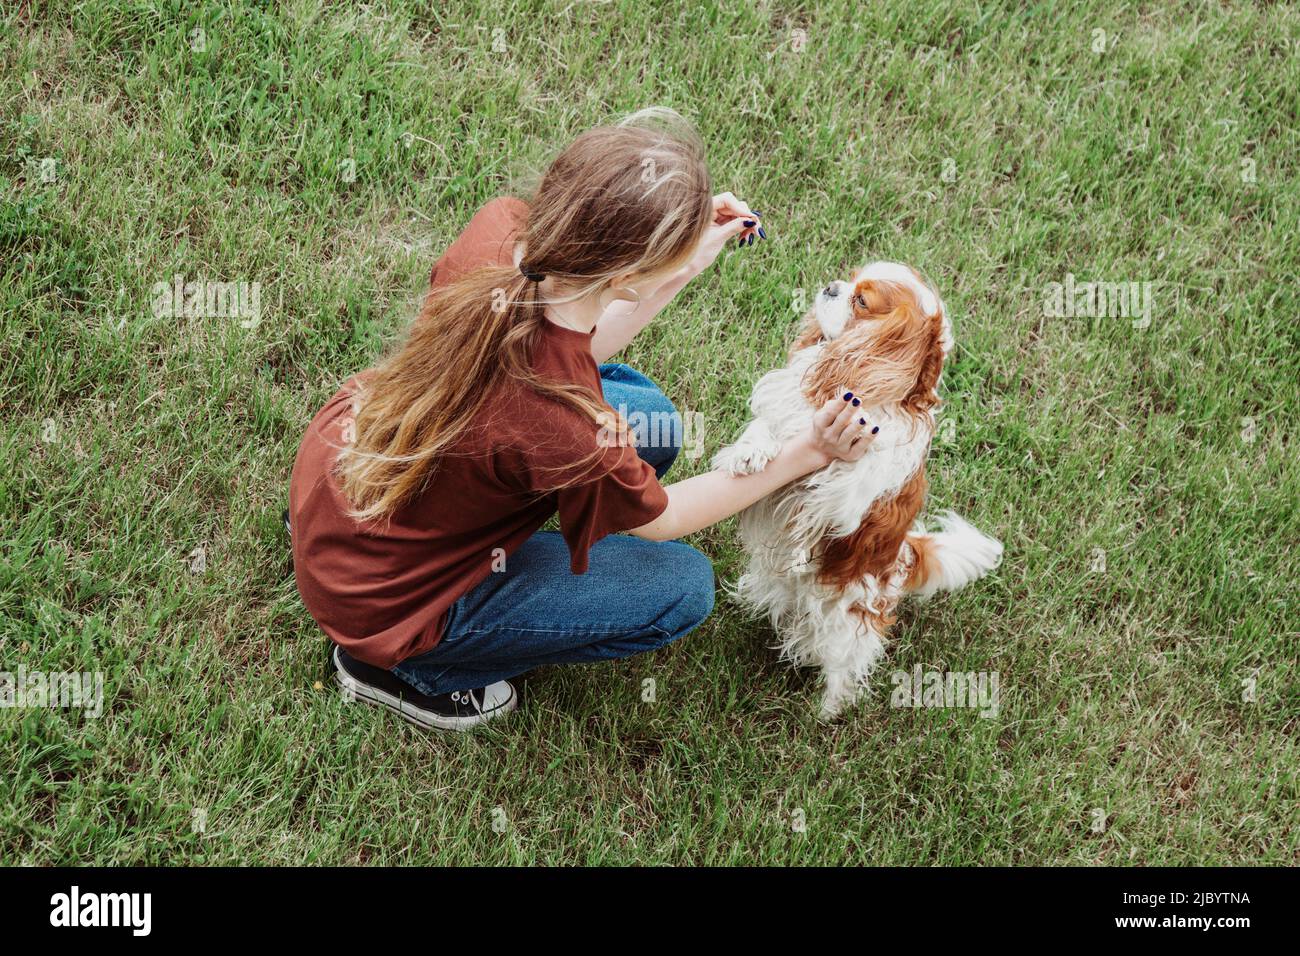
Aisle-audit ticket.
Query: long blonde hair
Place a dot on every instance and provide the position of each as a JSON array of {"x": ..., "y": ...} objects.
[{"x": 630, "y": 198}]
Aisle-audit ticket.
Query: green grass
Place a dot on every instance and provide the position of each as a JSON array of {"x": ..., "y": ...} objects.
[{"x": 1122, "y": 690}]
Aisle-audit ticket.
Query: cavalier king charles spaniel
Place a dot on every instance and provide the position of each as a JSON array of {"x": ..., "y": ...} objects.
[{"x": 829, "y": 557}]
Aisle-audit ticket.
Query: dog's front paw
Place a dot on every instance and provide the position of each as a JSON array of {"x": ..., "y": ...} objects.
[
  {"x": 750, "y": 454},
  {"x": 743, "y": 459}
]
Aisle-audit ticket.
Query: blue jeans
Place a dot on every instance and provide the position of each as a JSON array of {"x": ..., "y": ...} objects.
[{"x": 636, "y": 596}]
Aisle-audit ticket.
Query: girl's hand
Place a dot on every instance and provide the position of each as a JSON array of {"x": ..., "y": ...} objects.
[
  {"x": 839, "y": 430},
  {"x": 731, "y": 217}
]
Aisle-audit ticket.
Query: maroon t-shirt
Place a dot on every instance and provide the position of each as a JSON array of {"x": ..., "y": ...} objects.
[{"x": 381, "y": 590}]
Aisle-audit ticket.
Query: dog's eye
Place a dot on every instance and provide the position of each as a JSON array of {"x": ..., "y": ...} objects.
[{"x": 859, "y": 302}]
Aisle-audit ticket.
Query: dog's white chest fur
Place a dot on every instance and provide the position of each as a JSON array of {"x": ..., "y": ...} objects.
[{"x": 835, "y": 499}]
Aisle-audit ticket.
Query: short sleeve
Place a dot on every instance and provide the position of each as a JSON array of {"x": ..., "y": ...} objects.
[
  {"x": 488, "y": 240},
  {"x": 624, "y": 495}
]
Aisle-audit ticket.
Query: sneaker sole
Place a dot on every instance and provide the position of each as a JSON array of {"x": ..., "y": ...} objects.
[{"x": 420, "y": 718}]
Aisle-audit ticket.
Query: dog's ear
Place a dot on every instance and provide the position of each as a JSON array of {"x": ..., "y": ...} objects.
[
  {"x": 924, "y": 394},
  {"x": 810, "y": 333}
]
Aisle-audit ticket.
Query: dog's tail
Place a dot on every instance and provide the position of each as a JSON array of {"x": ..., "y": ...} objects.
[{"x": 951, "y": 557}]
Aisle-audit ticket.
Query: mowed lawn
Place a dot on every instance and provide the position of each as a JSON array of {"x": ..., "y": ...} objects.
[{"x": 1141, "y": 471}]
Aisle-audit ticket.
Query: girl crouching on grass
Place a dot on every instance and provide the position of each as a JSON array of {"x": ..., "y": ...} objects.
[{"x": 420, "y": 488}]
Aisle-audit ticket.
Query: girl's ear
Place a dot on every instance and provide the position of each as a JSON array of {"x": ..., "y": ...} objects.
[{"x": 626, "y": 280}]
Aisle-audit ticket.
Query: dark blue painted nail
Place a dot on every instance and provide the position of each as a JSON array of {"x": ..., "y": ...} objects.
[
  {"x": 862, "y": 421},
  {"x": 757, "y": 213},
  {"x": 856, "y": 403},
  {"x": 874, "y": 430},
  {"x": 847, "y": 396},
  {"x": 751, "y": 241},
  {"x": 750, "y": 223},
  {"x": 761, "y": 233}
]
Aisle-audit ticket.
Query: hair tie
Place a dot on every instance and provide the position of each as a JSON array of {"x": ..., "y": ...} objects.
[{"x": 529, "y": 274}]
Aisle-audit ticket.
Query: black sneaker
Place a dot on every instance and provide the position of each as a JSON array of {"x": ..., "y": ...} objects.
[
  {"x": 459, "y": 710},
  {"x": 284, "y": 516}
]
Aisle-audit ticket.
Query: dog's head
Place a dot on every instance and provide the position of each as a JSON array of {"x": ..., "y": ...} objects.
[{"x": 884, "y": 335}]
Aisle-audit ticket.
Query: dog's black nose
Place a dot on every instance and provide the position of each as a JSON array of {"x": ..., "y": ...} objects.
[{"x": 831, "y": 291}]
